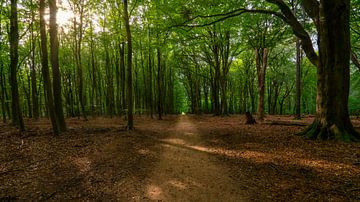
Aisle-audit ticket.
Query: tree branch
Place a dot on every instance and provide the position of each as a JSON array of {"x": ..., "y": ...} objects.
[
  {"x": 355, "y": 60},
  {"x": 224, "y": 16},
  {"x": 298, "y": 30},
  {"x": 311, "y": 7}
]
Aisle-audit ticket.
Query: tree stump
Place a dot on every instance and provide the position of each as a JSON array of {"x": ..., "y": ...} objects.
[{"x": 249, "y": 118}]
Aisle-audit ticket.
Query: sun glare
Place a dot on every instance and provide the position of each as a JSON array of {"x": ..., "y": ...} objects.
[{"x": 64, "y": 17}]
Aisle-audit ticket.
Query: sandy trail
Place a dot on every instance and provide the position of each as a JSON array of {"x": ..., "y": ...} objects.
[{"x": 186, "y": 173}]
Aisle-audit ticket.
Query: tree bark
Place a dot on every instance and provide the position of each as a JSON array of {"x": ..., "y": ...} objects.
[
  {"x": 333, "y": 76},
  {"x": 14, "y": 58},
  {"x": 34, "y": 93},
  {"x": 261, "y": 55},
  {"x": 54, "y": 56},
  {"x": 122, "y": 76},
  {"x": 130, "y": 123},
  {"x": 45, "y": 71},
  {"x": 2, "y": 86},
  {"x": 159, "y": 86},
  {"x": 298, "y": 81}
]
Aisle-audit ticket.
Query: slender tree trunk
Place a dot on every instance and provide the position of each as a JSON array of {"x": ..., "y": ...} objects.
[
  {"x": 150, "y": 97},
  {"x": 130, "y": 124},
  {"x": 2, "y": 95},
  {"x": 94, "y": 97},
  {"x": 2, "y": 86},
  {"x": 54, "y": 56},
  {"x": 14, "y": 57},
  {"x": 122, "y": 76},
  {"x": 159, "y": 87},
  {"x": 333, "y": 75},
  {"x": 117, "y": 81},
  {"x": 206, "y": 95},
  {"x": 34, "y": 94},
  {"x": 216, "y": 81},
  {"x": 145, "y": 88},
  {"x": 298, "y": 81},
  {"x": 45, "y": 71}
]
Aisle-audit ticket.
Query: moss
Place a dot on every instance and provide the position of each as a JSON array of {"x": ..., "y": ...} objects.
[{"x": 333, "y": 132}]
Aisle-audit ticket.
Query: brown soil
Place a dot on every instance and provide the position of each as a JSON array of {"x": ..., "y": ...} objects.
[{"x": 181, "y": 158}]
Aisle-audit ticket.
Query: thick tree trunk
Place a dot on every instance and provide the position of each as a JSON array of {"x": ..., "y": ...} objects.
[
  {"x": 261, "y": 55},
  {"x": 332, "y": 118},
  {"x": 14, "y": 57},
  {"x": 54, "y": 51}
]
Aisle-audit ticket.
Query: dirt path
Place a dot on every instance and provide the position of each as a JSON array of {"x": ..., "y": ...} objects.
[
  {"x": 187, "y": 173},
  {"x": 180, "y": 158}
]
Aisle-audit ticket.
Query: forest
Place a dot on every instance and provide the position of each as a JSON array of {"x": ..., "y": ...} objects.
[{"x": 171, "y": 100}]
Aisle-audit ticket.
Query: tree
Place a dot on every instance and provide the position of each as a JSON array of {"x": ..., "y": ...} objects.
[
  {"x": 54, "y": 55},
  {"x": 34, "y": 93},
  {"x": 14, "y": 58},
  {"x": 45, "y": 71},
  {"x": 331, "y": 19},
  {"x": 78, "y": 7},
  {"x": 130, "y": 102}
]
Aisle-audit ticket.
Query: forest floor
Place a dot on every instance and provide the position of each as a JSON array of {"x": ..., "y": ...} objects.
[{"x": 180, "y": 158}]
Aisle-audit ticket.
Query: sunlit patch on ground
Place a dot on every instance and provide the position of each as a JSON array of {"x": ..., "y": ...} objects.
[
  {"x": 83, "y": 164},
  {"x": 178, "y": 184},
  {"x": 144, "y": 151},
  {"x": 154, "y": 192}
]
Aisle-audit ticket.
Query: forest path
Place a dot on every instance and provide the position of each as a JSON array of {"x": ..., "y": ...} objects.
[{"x": 187, "y": 172}]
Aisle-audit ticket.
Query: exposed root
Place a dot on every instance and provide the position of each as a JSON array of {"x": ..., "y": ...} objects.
[{"x": 330, "y": 132}]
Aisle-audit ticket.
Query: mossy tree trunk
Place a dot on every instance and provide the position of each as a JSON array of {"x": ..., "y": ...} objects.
[{"x": 333, "y": 75}]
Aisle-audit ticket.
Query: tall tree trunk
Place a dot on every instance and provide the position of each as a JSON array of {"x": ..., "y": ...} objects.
[
  {"x": 298, "y": 81},
  {"x": 34, "y": 93},
  {"x": 122, "y": 76},
  {"x": 261, "y": 55},
  {"x": 14, "y": 57},
  {"x": 159, "y": 87},
  {"x": 216, "y": 81},
  {"x": 2, "y": 86},
  {"x": 45, "y": 71},
  {"x": 2, "y": 95},
  {"x": 94, "y": 97},
  {"x": 130, "y": 124},
  {"x": 118, "y": 86},
  {"x": 333, "y": 75},
  {"x": 150, "y": 95},
  {"x": 54, "y": 56},
  {"x": 206, "y": 96}
]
